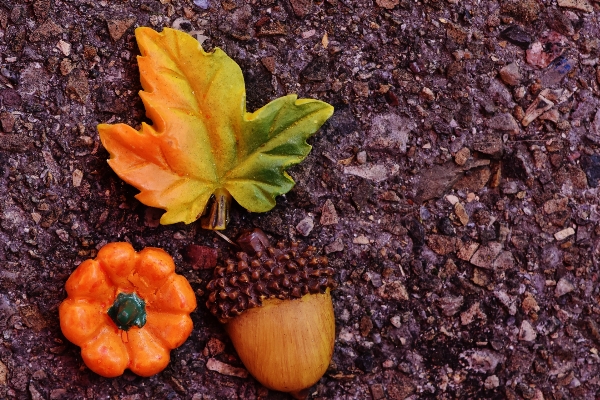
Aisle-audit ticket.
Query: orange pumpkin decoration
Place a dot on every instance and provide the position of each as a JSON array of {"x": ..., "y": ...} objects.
[{"x": 127, "y": 310}]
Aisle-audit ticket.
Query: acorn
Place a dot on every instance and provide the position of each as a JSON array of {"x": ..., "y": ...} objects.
[{"x": 276, "y": 307}]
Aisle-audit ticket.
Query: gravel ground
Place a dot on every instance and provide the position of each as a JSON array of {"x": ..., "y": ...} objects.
[{"x": 455, "y": 190}]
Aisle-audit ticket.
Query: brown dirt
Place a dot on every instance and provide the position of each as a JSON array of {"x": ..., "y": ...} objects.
[{"x": 465, "y": 238}]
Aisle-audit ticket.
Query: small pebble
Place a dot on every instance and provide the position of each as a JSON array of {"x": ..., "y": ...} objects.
[
  {"x": 62, "y": 235},
  {"x": 203, "y": 4},
  {"x": 328, "y": 214},
  {"x": 491, "y": 382},
  {"x": 361, "y": 157},
  {"x": 520, "y": 92},
  {"x": 565, "y": 233},
  {"x": 64, "y": 47},
  {"x": 527, "y": 333},
  {"x": 461, "y": 213},
  {"x": 362, "y": 239},
  {"x": 305, "y": 226},
  {"x": 427, "y": 94},
  {"x": 77, "y": 178},
  {"x": 582, "y": 5},
  {"x": 462, "y": 156},
  {"x": 556, "y": 205},
  {"x": 517, "y": 36},
  {"x": 563, "y": 286},
  {"x": 452, "y": 199},
  {"x": 214, "y": 347},
  {"x": 225, "y": 369},
  {"x": 510, "y": 74},
  {"x": 335, "y": 246},
  {"x": 396, "y": 321}
]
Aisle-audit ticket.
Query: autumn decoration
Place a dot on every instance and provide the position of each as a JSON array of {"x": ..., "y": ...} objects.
[
  {"x": 204, "y": 147},
  {"x": 276, "y": 305},
  {"x": 127, "y": 310}
]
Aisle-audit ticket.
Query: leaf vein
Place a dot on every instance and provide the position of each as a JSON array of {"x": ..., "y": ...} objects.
[
  {"x": 135, "y": 167},
  {"x": 180, "y": 182},
  {"x": 253, "y": 181}
]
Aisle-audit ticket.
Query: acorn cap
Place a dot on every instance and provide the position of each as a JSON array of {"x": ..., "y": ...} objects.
[{"x": 286, "y": 271}]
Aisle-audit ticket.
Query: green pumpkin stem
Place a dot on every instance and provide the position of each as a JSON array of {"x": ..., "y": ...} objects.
[{"x": 128, "y": 311}]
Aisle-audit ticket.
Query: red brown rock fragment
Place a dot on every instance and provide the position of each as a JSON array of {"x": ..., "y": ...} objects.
[
  {"x": 582, "y": 5},
  {"x": 462, "y": 156},
  {"x": 394, "y": 290},
  {"x": 510, "y": 74},
  {"x": 78, "y": 85},
  {"x": 529, "y": 304},
  {"x": 275, "y": 28},
  {"x": 485, "y": 255},
  {"x": 504, "y": 261},
  {"x": 474, "y": 312},
  {"x": 427, "y": 94},
  {"x": 461, "y": 213},
  {"x": 118, "y": 27},
  {"x": 556, "y": 205},
  {"x": 335, "y": 246},
  {"x": 15, "y": 143},
  {"x": 377, "y": 392},
  {"x": 45, "y": 31},
  {"x": 504, "y": 122},
  {"x": 361, "y": 89},
  {"x": 387, "y": 4},
  {"x": 442, "y": 244},
  {"x": 366, "y": 325},
  {"x": 41, "y": 8},
  {"x": 480, "y": 277},
  {"x": 467, "y": 250},
  {"x": 269, "y": 63},
  {"x": 457, "y": 34},
  {"x": 201, "y": 257},
  {"x": 66, "y": 66},
  {"x": 523, "y": 10},
  {"x": 474, "y": 181},
  {"x": 8, "y": 121},
  {"x": 214, "y": 347},
  {"x": 328, "y": 214}
]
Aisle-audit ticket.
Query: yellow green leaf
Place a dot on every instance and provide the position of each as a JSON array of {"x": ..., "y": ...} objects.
[{"x": 203, "y": 143}]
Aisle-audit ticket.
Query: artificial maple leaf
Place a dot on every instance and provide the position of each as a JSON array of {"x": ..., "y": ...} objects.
[{"x": 203, "y": 143}]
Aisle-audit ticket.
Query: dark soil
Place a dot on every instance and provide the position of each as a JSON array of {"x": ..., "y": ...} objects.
[{"x": 463, "y": 223}]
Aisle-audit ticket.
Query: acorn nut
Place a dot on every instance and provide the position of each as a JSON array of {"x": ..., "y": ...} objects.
[{"x": 276, "y": 307}]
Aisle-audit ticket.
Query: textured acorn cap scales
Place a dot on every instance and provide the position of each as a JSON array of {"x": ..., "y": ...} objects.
[
  {"x": 282, "y": 272},
  {"x": 277, "y": 310}
]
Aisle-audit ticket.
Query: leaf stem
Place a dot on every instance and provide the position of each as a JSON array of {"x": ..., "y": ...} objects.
[{"x": 216, "y": 215}]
